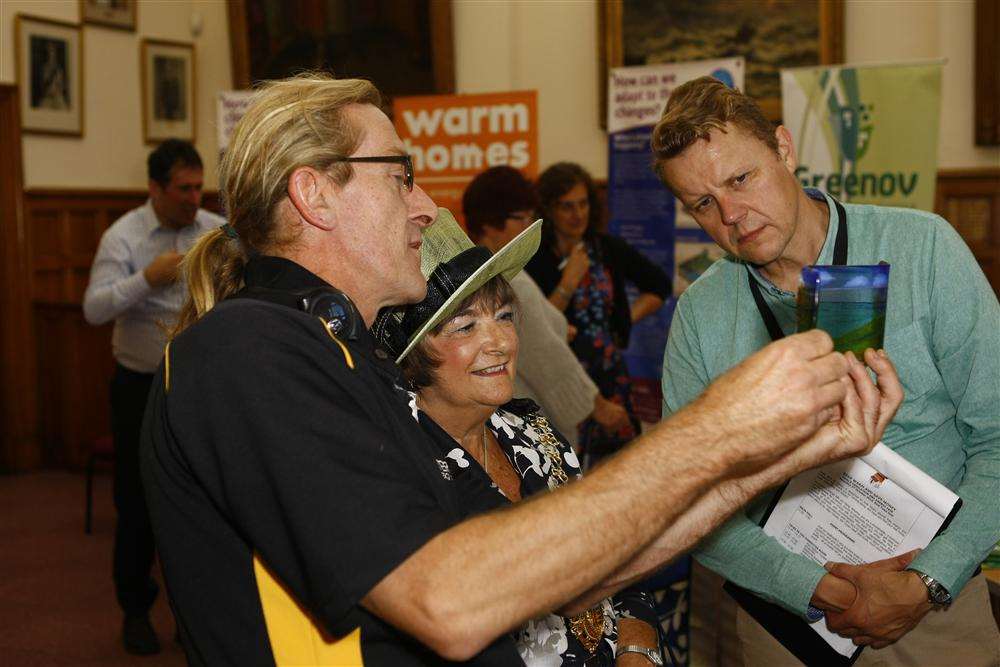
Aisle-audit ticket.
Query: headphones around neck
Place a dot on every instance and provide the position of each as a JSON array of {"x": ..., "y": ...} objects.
[{"x": 332, "y": 306}]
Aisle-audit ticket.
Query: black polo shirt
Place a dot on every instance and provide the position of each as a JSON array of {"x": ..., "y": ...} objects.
[{"x": 267, "y": 441}]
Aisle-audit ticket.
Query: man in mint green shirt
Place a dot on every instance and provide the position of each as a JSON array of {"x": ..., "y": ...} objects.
[{"x": 736, "y": 175}]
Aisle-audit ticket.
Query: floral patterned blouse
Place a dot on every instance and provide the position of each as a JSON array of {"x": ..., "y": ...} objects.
[{"x": 547, "y": 640}]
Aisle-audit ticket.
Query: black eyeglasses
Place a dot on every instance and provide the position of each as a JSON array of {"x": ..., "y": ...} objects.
[{"x": 404, "y": 160}]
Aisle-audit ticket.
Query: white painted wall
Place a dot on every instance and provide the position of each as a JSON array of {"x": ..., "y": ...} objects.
[
  {"x": 545, "y": 45},
  {"x": 551, "y": 46},
  {"x": 112, "y": 153}
]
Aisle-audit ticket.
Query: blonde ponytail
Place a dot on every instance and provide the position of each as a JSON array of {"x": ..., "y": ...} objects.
[{"x": 213, "y": 270}]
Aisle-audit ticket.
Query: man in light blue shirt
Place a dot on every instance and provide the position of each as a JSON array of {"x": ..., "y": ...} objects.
[
  {"x": 736, "y": 175},
  {"x": 134, "y": 281}
]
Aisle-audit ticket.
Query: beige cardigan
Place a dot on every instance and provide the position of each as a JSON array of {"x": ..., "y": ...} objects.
[{"x": 547, "y": 370}]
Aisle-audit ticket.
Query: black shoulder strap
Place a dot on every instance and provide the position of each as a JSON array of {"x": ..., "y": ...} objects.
[
  {"x": 770, "y": 321},
  {"x": 839, "y": 259},
  {"x": 840, "y": 242}
]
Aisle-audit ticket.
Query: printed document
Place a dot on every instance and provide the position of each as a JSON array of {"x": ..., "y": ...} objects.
[{"x": 858, "y": 511}]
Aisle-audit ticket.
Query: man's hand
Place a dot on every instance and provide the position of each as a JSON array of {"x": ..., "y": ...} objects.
[
  {"x": 609, "y": 415},
  {"x": 860, "y": 420},
  {"x": 833, "y": 594},
  {"x": 854, "y": 426},
  {"x": 163, "y": 270},
  {"x": 890, "y": 601},
  {"x": 836, "y": 594},
  {"x": 889, "y": 388},
  {"x": 775, "y": 399}
]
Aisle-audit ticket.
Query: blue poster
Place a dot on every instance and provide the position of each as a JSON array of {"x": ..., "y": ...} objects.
[
  {"x": 646, "y": 215},
  {"x": 641, "y": 211}
]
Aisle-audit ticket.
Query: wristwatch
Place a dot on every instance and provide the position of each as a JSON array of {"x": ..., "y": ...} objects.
[
  {"x": 651, "y": 655},
  {"x": 814, "y": 614},
  {"x": 936, "y": 593}
]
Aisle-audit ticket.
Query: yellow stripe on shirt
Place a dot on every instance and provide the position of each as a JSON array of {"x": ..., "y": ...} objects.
[
  {"x": 343, "y": 348},
  {"x": 296, "y": 638}
]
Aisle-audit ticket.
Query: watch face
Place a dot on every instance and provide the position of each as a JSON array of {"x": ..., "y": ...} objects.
[{"x": 939, "y": 595}]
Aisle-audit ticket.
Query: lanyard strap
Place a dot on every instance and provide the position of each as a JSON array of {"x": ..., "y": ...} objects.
[{"x": 839, "y": 259}]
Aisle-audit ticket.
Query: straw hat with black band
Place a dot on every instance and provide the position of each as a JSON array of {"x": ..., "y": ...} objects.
[{"x": 455, "y": 268}]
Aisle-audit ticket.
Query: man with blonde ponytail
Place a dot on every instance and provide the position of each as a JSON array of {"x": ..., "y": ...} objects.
[
  {"x": 134, "y": 282},
  {"x": 303, "y": 516}
]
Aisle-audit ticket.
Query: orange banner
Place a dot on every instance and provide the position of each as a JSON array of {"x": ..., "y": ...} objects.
[{"x": 454, "y": 137}]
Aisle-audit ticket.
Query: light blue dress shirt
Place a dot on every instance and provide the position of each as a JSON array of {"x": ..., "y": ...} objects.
[{"x": 118, "y": 289}]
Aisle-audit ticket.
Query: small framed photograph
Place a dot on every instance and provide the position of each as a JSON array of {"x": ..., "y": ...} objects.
[
  {"x": 49, "y": 75},
  {"x": 168, "y": 85},
  {"x": 109, "y": 13}
]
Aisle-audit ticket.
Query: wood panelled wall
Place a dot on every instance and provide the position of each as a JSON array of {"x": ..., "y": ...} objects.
[
  {"x": 970, "y": 200},
  {"x": 18, "y": 412},
  {"x": 73, "y": 359}
]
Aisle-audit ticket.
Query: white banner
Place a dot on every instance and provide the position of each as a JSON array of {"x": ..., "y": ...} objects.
[
  {"x": 867, "y": 134},
  {"x": 232, "y": 104},
  {"x": 637, "y": 95}
]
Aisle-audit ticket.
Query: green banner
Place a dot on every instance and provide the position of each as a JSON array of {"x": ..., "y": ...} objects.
[{"x": 866, "y": 134}]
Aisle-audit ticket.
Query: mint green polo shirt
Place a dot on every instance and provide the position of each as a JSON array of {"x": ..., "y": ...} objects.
[{"x": 943, "y": 334}]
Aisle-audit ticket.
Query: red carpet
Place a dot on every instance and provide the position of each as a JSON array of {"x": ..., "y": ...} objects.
[{"x": 57, "y": 602}]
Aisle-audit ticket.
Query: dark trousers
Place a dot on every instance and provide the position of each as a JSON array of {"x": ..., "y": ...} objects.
[{"x": 134, "y": 546}]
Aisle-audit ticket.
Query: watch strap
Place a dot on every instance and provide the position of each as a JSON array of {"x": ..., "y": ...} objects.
[
  {"x": 651, "y": 654},
  {"x": 937, "y": 594}
]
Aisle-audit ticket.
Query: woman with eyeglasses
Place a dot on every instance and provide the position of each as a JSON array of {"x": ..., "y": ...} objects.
[{"x": 584, "y": 271}]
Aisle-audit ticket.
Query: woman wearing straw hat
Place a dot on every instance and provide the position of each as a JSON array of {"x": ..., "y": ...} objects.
[{"x": 458, "y": 348}]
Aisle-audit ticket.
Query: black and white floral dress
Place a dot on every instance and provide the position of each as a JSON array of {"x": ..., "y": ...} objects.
[{"x": 547, "y": 640}]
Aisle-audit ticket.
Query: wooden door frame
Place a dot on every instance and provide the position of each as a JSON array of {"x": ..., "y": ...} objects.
[{"x": 18, "y": 398}]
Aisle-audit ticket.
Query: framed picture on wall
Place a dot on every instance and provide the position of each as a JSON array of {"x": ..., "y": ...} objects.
[
  {"x": 49, "y": 75},
  {"x": 109, "y": 13},
  {"x": 168, "y": 90},
  {"x": 405, "y": 48},
  {"x": 770, "y": 35}
]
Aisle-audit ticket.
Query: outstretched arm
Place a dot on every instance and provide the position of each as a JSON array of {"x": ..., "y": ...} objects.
[{"x": 457, "y": 593}]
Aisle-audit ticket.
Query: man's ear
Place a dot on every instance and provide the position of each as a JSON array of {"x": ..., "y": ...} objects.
[
  {"x": 308, "y": 191},
  {"x": 155, "y": 189},
  {"x": 786, "y": 149}
]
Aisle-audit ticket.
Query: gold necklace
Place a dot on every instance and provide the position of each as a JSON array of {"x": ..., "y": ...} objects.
[{"x": 588, "y": 628}]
